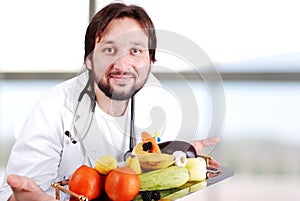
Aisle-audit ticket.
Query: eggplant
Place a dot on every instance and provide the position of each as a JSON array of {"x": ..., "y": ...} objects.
[{"x": 169, "y": 147}]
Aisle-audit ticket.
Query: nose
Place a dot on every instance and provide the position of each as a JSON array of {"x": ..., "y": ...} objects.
[{"x": 123, "y": 62}]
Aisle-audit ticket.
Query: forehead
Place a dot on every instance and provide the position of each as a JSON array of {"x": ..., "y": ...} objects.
[{"x": 124, "y": 29}]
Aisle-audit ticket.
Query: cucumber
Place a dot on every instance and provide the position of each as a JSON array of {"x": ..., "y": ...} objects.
[{"x": 166, "y": 178}]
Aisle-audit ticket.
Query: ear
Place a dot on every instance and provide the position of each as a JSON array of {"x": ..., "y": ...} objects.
[
  {"x": 88, "y": 62},
  {"x": 151, "y": 64}
]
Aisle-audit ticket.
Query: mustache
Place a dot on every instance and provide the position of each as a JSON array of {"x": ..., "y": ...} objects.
[{"x": 114, "y": 73}]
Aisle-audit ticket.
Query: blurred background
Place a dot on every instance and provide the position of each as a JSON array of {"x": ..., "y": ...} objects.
[{"x": 254, "y": 45}]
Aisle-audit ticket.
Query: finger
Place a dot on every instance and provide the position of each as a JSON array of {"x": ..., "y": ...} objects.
[
  {"x": 214, "y": 164},
  {"x": 209, "y": 141}
]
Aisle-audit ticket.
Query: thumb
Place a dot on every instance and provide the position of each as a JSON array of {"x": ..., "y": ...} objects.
[
  {"x": 25, "y": 188},
  {"x": 210, "y": 141},
  {"x": 19, "y": 183},
  {"x": 199, "y": 144}
]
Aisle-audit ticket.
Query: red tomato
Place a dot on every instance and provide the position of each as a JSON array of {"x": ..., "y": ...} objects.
[
  {"x": 122, "y": 184},
  {"x": 86, "y": 181}
]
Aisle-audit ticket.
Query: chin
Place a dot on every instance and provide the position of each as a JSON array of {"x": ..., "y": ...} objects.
[{"x": 121, "y": 96}]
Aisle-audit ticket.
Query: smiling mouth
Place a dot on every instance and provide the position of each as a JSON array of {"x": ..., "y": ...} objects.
[{"x": 122, "y": 79}]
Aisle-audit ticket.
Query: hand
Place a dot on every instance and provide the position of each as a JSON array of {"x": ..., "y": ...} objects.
[
  {"x": 199, "y": 144},
  {"x": 25, "y": 189}
]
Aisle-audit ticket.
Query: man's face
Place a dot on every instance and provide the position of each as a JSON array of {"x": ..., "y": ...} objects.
[{"x": 120, "y": 61}]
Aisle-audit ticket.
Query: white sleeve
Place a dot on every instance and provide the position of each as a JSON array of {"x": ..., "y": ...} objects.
[{"x": 37, "y": 152}]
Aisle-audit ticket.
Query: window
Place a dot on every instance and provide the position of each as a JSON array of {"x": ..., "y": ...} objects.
[{"x": 42, "y": 36}]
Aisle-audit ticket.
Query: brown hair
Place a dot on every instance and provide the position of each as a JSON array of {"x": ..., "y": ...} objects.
[{"x": 112, "y": 11}]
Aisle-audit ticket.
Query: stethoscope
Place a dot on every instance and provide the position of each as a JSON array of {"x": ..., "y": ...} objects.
[{"x": 92, "y": 96}]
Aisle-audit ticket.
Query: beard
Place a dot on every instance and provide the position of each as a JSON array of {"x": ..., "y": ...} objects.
[{"x": 121, "y": 92}]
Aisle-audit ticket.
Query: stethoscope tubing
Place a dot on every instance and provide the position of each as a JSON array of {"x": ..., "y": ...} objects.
[
  {"x": 132, "y": 130},
  {"x": 91, "y": 94}
]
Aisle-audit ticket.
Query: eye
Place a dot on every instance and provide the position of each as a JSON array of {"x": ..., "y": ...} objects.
[
  {"x": 136, "y": 51},
  {"x": 109, "y": 51}
]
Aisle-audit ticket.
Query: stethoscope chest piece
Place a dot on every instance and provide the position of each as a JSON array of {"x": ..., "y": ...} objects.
[{"x": 127, "y": 154}]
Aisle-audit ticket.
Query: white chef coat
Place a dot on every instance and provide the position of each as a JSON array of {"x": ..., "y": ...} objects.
[{"x": 44, "y": 153}]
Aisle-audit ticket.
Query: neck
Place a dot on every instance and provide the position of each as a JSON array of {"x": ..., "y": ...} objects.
[{"x": 112, "y": 107}]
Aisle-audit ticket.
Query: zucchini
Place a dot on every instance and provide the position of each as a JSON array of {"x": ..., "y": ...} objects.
[{"x": 166, "y": 178}]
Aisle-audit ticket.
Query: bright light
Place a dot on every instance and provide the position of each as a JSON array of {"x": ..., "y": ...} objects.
[
  {"x": 232, "y": 30},
  {"x": 49, "y": 36},
  {"x": 42, "y": 35}
]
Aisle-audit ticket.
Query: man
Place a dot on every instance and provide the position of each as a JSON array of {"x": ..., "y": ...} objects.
[{"x": 120, "y": 47}]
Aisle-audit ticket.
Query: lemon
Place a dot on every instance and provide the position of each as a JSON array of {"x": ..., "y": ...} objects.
[
  {"x": 133, "y": 162},
  {"x": 105, "y": 164}
]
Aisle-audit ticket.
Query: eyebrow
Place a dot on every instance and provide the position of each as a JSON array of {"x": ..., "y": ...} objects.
[
  {"x": 135, "y": 43},
  {"x": 139, "y": 44},
  {"x": 107, "y": 42}
]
